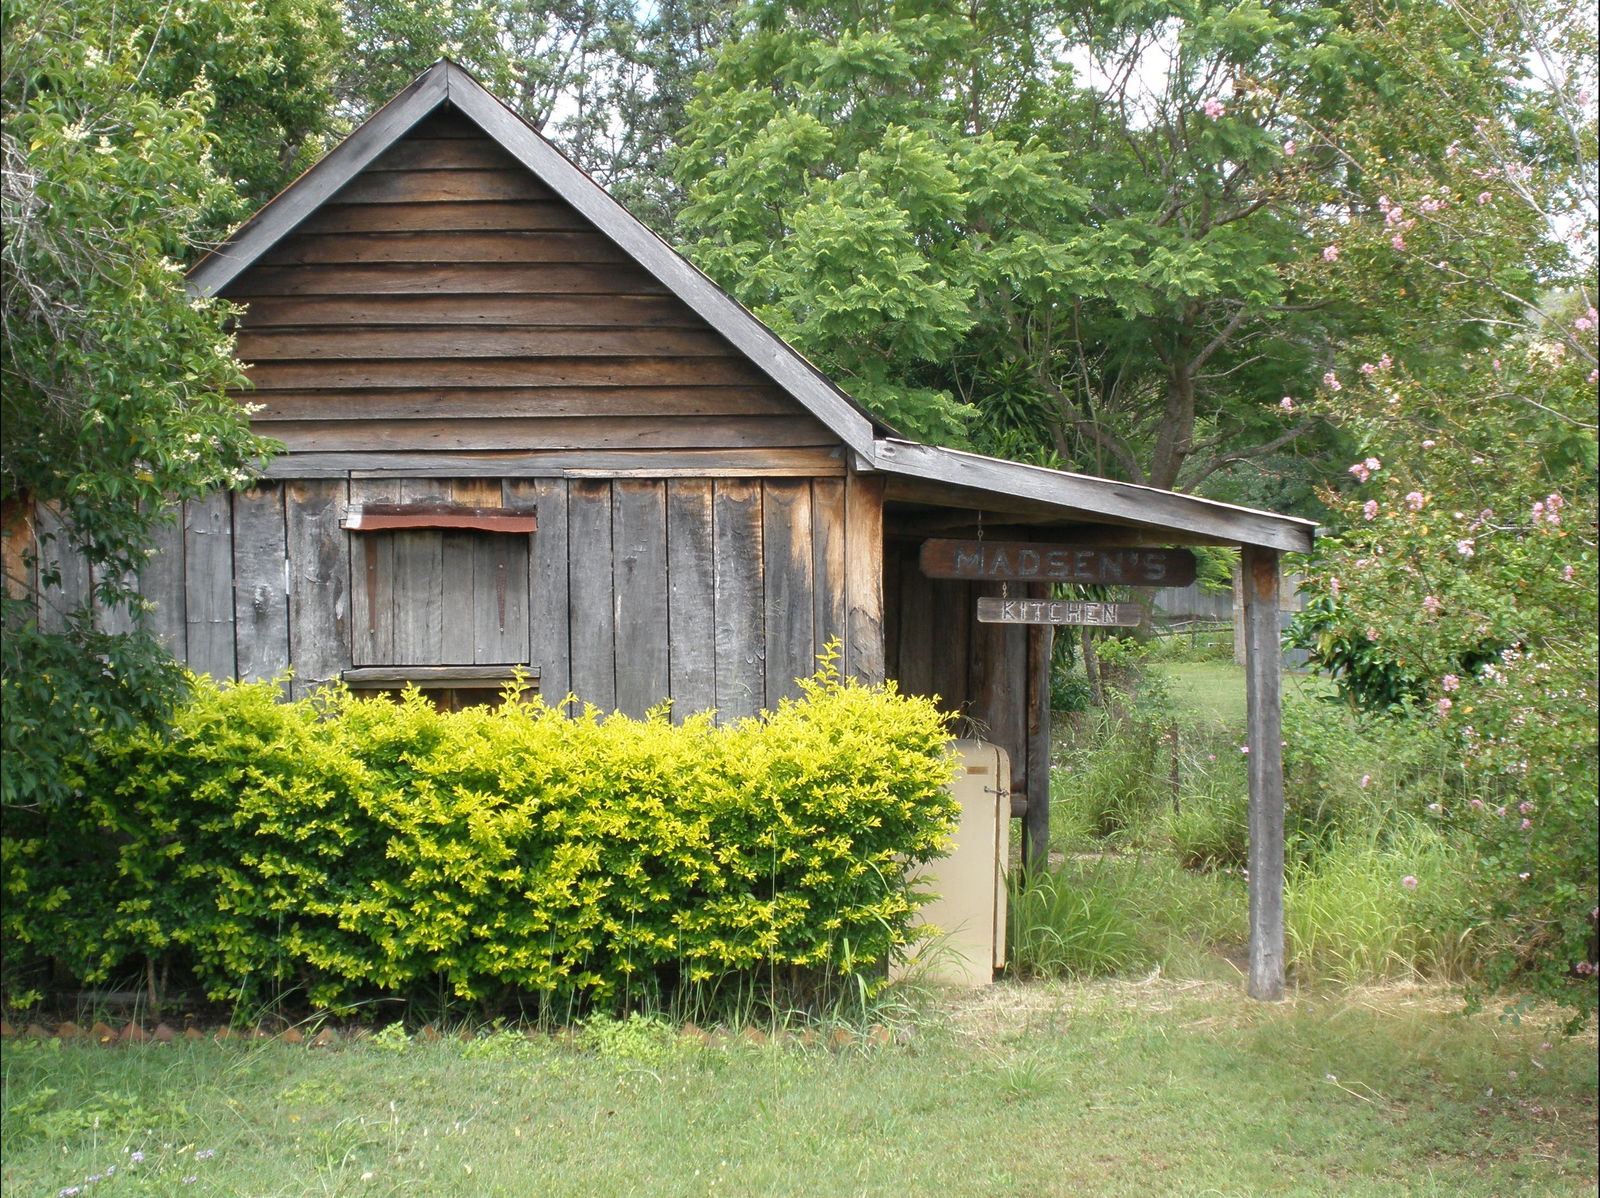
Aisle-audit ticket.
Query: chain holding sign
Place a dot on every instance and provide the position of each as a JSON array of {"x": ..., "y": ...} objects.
[{"x": 1058, "y": 611}]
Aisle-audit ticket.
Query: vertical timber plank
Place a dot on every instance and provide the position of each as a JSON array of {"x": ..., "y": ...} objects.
[
  {"x": 17, "y": 549},
  {"x": 260, "y": 591},
  {"x": 319, "y": 581},
  {"x": 420, "y": 584},
  {"x": 863, "y": 532},
  {"x": 918, "y": 642},
  {"x": 788, "y": 567},
  {"x": 1036, "y": 822},
  {"x": 1263, "y": 663},
  {"x": 372, "y": 611},
  {"x": 952, "y": 618},
  {"x": 740, "y": 610},
  {"x": 828, "y": 613},
  {"x": 58, "y": 556},
  {"x": 208, "y": 584},
  {"x": 692, "y": 598},
  {"x": 590, "y": 603},
  {"x": 548, "y": 646},
  {"x": 161, "y": 585},
  {"x": 639, "y": 574}
]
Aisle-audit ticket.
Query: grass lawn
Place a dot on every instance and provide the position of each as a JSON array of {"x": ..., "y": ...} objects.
[
  {"x": 1214, "y": 690},
  {"x": 1101, "y": 1088}
]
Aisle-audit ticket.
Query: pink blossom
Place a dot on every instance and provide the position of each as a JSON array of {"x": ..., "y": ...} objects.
[
  {"x": 1214, "y": 108},
  {"x": 1415, "y": 500},
  {"x": 1500, "y": 811},
  {"x": 1453, "y": 150},
  {"x": 1369, "y": 509},
  {"x": 1287, "y": 403},
  {"x": 1333, "y": 585},
  {"x": 1566, "y": 573},
  {"x": 1485, "y": 197},
  {"x": 1361, "y": 472},
  {"x": 1583, "y": 324},
  {"x": 1373, "y": 464},
  {"x": 1436, "y": 808},
  {"x": 1538, "y": 512},
  {"x": 1366, "y": 781},
  {"x": 1554, "y": 502},
  {"x": 1524, "y": 876},
  {"x": 1525, "y": 808},
  {"x": 1367, "y": 368},
  {"x": 1465, "y": 547},
  {"x": 1385, "y": 362},
  {"x": 1409, "y": 882},
  {"x": 1444, "y": 705},
  {"x": 1476, "y": 804},
  {"x": 1450, "y": 682},
  {"x": 1431, "y": 604},
  {"x": 1288, "y": 149},
  {"x": 1330, "y": 253},
  {"x": 1331, "y": 382},
  {"x": 1525, "y": 825},
  {"x": 1430, "y": 443},
  {"x": 1398, "y": 241},
  {"x": 1244, "y": 748}
]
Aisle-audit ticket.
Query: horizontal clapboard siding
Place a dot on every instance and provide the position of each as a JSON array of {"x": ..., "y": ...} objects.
[{"x": 444, "y": 300}]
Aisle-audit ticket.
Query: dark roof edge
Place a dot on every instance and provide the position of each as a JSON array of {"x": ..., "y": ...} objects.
[{"x": 1085, "y": 494}]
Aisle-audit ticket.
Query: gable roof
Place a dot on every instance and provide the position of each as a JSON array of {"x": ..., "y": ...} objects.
[{"x": 967, "y": 480}]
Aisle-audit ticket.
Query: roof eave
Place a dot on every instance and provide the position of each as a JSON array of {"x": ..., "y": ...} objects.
[{"x": 1079, "y": 494}]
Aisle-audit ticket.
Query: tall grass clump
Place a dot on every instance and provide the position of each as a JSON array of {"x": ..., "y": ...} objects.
[
  {"x": 1373, "y": 906},
  {"x": 1067, "y": 924}
]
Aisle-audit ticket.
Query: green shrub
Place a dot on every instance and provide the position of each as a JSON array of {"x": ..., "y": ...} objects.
[{"x": 351, "y": 846}]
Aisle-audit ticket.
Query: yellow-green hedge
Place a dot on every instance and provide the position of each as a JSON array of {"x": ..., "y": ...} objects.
[{"x": 353, "y": 846}]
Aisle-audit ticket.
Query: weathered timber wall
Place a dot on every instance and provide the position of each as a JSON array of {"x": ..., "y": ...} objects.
[
  {"x": 712, "y": 592},
  {"x": 446, "y": 302},
  {"x": 994, "y": 677}
]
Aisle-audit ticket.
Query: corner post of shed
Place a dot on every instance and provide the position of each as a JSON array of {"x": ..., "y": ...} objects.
[{"x": 1263, "y": 692}]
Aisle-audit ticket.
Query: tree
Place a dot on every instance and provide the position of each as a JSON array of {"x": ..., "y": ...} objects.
[
  {"x": 115, "y": 381},
  {"x": 1461, "y": 588}
]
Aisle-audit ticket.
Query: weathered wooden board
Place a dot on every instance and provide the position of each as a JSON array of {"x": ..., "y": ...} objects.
[
  {"x": 508, "y": 403},
  {"x": 399, "y": 187},
  {"x": 918, "y": 639},
  {"x": 639, "y": 574},
  {"x": 828, "y": 613},
  {"x": 595, "y": 432},
  {"x": 319, "y": 581},
  {"x": 458, "y": 341},
  {"x": 864, "y": 656},
  {"x": 562, "y": 463},
  {"x": 740, "y": 607},
  {"x": 507, "y": 372},
  {"x": 471, "y": 278},
  {"x": 17, "y": 547},
  {"x": 952, "y": 621},
  {"x": 789, "y": 566},
  {"x": 208, "y": 585},
  {"x": 592, "y": 595},
  {"x": 161, "y": 585},
  {"x": 1059, "y": 611},
  {"x": 63, "y": 572},
  {"x": 1046, "y": 562},
  {"x": 260, "y": 583},
  {"x": 371, "y": 579},
  {"x": 564, "y": 245},
  {"x": 1036, "y": 820},
  {"x": 542, "y": 311},
  {"x": 548, "y": 603},
  {"x": 445, "y": 216},
  {"x": 692, "y": 628},
  {"x": 1263, "y": 704},
  {"x": 417, "y": 151},
  {"x": 419, "y": 587}
]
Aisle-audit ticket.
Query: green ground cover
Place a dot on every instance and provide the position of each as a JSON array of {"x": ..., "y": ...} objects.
[{"x": 1102, "y": 1088}]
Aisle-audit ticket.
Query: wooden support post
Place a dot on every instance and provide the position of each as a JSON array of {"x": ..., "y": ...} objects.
[
  {"x": 1036, "y": 821},
  {"x": 1263, "y": 663}
]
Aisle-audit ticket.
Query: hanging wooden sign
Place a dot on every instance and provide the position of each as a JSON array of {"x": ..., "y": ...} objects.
[
  {"x": 1085, "y": 565},
  {"x": 1058, "y": 611}
]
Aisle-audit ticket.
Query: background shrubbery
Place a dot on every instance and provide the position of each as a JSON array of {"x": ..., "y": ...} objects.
[{"x": 354, "y": 847}]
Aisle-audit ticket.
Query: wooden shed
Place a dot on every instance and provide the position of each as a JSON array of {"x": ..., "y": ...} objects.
[{"x": 521, "y": 431}]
